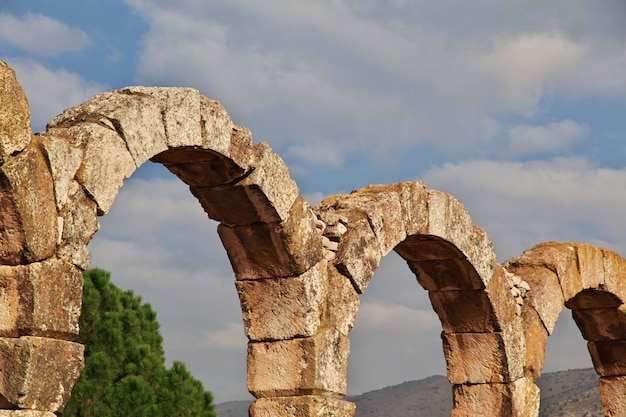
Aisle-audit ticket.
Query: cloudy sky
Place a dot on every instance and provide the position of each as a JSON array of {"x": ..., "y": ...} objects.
[{"x": 516, "y": 108}]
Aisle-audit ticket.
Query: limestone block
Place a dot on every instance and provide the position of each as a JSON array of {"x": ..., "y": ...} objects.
[
  {"x": 258, "y": 198},
  {"x": 612, "y": 390},
  {"x": 28, "y": 219},
  {"x": 421, "y": 247},
  {"x": 545, "y": 294},
  {"x": 504, "y": 303},
  {"x": 448, "y": 274},
  {"x": 39, "y": 373},
  {"x": 80, "y": 223},
  {"x": 200, "y": 167},
  {"x": 448, "y": 219},
  {"x": 285, "y": 249},
  {"x": 64, "y": 158},
  {"x": 592, "y": 299},
  {"x": 519, "y": 398},
  {"x": 107, "y": 162},
  {"x": 381, "y": 204},
  {"x": 555, "y": 256},
  {"x": 42, "y": 299},
  {"x": 601, "y": 323},
  {"x": 284, "y": 308},
  {"x": 302, "y": 406},
  {"x": 414, "y": 199},
  {"x": 464, "y": 311},
  {"x": 478, "y": 358},
  {"x": 590, "y": 266},
  {"x": 614, "y": 273},
  {"x": 535, "y": 337},
  {"x": 358, "y": 254},
  {"x": 342, "y": 302},
  {"x": 314, "y": 365},
  {"x": 26, "y": 413},
  {"x": 608, "y": 356},
  {"x": 15, "y": 131},
  {"x": 216, "y": 127},
  {"x": 133, "y": 114}
]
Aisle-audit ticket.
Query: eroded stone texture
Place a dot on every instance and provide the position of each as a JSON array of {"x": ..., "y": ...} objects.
[
  {"x": 613, "y": 399},
  {"x": 314, "y": 365},
  {"x": 39, "y": 373},
  {"x": 267, "y": 250},
  {"x": 304, "y": 405},
  {"x": 284, "y": 308},
  {"x": 41, "y": 299},
  {"x": 15, "y": 131},
  {"x": 28, "y": 223},
  {"x": 519, "y": 398}
]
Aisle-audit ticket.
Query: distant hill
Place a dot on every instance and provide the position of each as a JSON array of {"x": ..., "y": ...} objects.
[{"x": 572, "y": 393}]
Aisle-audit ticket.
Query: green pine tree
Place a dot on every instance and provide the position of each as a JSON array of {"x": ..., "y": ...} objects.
[{"x": 125, "y": 372}]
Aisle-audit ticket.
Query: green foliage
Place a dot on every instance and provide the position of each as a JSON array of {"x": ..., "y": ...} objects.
[{"x": 125, "y": 373}]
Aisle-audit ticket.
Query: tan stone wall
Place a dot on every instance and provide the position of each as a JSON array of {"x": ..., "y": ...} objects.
[{"x": 299, "y": 270}]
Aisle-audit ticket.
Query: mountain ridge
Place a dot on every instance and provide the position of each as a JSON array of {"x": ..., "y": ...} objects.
[{"x": 571, "y": 393}]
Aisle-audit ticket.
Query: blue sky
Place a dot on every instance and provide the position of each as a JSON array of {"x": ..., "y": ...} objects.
[{"x": 516, "y": 108}]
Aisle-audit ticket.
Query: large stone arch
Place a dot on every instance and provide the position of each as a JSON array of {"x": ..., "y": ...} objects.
[
  {"x": 590, "y": 281},
  {"x": 477, "y": 300}
]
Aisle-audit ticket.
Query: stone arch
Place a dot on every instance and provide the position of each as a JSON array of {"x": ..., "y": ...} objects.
[
  {"x": 54, "y": 185},
  {"x": 590, "y": 281},
  {"x": 477, "y": 300}
]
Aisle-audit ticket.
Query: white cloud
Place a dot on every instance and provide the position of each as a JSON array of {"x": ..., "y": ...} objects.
[
  {"x": 521, "y": 204},
  {"x": 50, "y": 91},
  {"x": 554, "y": 137},
  {"x": 378, "y": 77},
  {"x": 40, "y": 35}
]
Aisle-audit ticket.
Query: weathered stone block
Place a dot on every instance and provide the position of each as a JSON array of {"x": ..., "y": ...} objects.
[
  {"x": 64, "y": 158},
  {"x": 342, "y": 302},
  {"x": 216, "y": 128},
  {"x": 28, "y": 219},
  {"x": 79, "y": 224},
  {"x": 26, "y": 413},
  {"x": 358, "y": 254},
  {"x": 302, "y": 406},
  {"x": 478, "y": 358},
  {"x": 428, "y": 248},
  {"x": 614, "y": 274},
  {"x": 15, "y": 131},
  {"x": 608, "y": 356},
  {"x": 262, "y": 250},
  {"x": 535, "y": 337},
  {"x": 545, "y": 294},
  {"x": 107, "y": 162},
  {"x": 516, "y": 399},
  {"x": 601, "y": 323},
  {"x": 39, "y": 373},
  {"x": 381, "y": 204},
  {"x": 200, "y": 167},
  {"x": 314, "y": 365},
  {"x": 555, "y": 256},
  {"x": 464, "y": 311},
  {"x": 284, "y": 308},
  {"x": 448, "y": 219},
  {"x": 592, "y": 299},
  {"x": 590, "y": 266},
  {"x": 41, "y": 299},
  {"x": 612, "y": 390},
  {"x": 448, "y": 274}
]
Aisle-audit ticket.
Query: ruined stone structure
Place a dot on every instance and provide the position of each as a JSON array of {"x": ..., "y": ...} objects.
[{"x": 299, "y": 269}]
